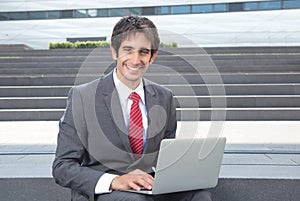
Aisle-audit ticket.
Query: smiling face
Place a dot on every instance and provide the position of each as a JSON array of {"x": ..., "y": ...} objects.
[{"x": 133, "y": 59}]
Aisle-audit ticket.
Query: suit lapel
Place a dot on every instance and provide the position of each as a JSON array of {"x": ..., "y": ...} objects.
[
  {"x": 112, "y": 102},
  {"x": 152, "y": 101}
]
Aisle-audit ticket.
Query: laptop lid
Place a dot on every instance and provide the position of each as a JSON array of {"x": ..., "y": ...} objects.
[{"x": 187, "y": 164}]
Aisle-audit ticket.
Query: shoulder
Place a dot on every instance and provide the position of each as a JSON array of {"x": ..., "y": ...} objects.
[
  {"x": 85, "y": 86},
  {"x": 156, "y": 87},
  {"x": 95, "y": 85}
]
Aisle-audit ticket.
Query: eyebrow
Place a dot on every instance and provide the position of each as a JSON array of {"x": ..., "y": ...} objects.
[
  {"x": 127, "y": 47},
  {"x": 141, "y": 49}
]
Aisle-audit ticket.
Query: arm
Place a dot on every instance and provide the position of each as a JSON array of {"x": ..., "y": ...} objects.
[
  {"x": 172, "y": 120},
  {"x": 68, "y": 169}
]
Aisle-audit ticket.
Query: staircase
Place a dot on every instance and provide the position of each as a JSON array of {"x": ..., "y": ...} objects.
[
  {"x": 250, "y": 87},
  {"x": 246, "y": 83}
]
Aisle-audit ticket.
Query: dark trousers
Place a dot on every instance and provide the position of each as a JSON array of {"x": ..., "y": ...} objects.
[{"x": 197, "y": 195}]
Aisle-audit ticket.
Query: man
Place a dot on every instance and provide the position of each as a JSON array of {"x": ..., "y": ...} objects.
[{"x": 111, "y": 130}]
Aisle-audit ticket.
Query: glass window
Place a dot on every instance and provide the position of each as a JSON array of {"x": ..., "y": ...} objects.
[
  {"x": 180, "y": 9},
  {"x": 251, "y": 6},
  {"x": 102, "y": 13},
  {"x": 37, "y": 15},
  {"x": 92, "y": 12},
  {"x": 117, "y": 12},
  {"x": 53, "y": 14},
  {"x": 18, "y": 16},
  {"x": 205, "y": 8},
  {"x": 162, "y": 10},
  {"x": 3, "y": 16},
  {"x": 66, "y": 14},
  {"x": 270, "y": 5},
  {"x": 148, "y": 11},
  {"x": 135, "y": 11},
  {"x": 81, "y": 13},
  {"x": 291, "y": 4},
  {"x": 221, "y": 7},
  {"x": 235, "y": 7}
]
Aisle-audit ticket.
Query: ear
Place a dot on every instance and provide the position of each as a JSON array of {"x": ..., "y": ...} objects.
[
  {"x": 113, "y": 53},
  {"x": 153, "y": 56}
]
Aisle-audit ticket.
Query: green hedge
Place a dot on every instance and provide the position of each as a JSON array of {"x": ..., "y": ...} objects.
[
  {"x": 93, "y": 44},
  {"x": 78, "y": 44},
  {"x": 173, "y": 44}
]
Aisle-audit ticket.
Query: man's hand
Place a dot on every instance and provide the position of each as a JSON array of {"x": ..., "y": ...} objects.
[{"x": 132, "y": 180}]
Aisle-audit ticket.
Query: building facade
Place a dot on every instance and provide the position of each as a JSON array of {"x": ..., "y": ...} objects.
[{"x": 188, "y": 22}]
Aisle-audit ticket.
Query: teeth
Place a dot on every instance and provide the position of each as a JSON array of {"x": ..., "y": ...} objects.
[{"x": 133, "y": 68}]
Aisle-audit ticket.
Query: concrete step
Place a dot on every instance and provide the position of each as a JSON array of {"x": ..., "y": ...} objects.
[
  {"x": 183, "y": 114},
  {"x": 43, "y": 71},
  {"x": 247, "y": 101},
  {"x": 33, "y": 103},
  {"x": 238, "y": 114},
  {"x": 91, "y": 67},
  {"x": 218, "y": 50},
  {"x": 34, "y": 91},
  {"x": 31, "y": 114},
  {"x": 241, "y": 50},
  {"x": 47, "y": 59},
  {"x": 54, "y": 52},
  {"x": 178, "y": 90},
  {"x": 219, "y": 59},
  {"x": 55, "y": 64},
  {"x": 209, "y": 78},
  {"x": 20, "y": 189},
  {"x": 235, "y": 89}
]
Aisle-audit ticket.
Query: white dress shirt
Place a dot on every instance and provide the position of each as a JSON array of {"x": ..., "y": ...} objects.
[{"x": 124, "y": 92}]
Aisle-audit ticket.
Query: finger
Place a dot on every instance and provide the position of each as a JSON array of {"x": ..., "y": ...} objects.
[
  {"x": 133, "y": 185},
  {"x": 150, "y": 183},
  {"x": 144, "y": 182},
  {"x": 150, "y": 177}
]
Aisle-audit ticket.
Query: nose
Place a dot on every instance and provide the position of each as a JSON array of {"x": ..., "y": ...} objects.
[{"x": 135, "y": 58}]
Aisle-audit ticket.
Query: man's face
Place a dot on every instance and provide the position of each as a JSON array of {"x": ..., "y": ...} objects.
[{"x": 133, "y": 59}]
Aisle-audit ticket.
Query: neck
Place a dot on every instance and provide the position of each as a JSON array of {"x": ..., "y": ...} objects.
[{"x": 131, "y": 84}]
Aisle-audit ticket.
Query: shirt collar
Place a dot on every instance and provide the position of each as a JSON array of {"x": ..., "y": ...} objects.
[{"x": 125, "y": 91}]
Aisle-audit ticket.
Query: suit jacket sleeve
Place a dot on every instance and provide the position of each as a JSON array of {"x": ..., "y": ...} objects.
[
  {"x": 172, "y": 120},
  {"x": 68, "y": 170}
]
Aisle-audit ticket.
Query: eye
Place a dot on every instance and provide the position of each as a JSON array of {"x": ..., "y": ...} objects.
[
  {"x": 144, "y": 52},
  {"x": 127, "y": 49}
]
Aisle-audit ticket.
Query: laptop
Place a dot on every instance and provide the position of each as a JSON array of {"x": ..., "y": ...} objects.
[{"x": 187, "y": 164}]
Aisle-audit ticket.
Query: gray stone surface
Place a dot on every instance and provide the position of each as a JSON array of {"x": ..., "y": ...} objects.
[
  {"x": 226, "y": 190},
  {"x": 257, "y": 190},
  {"x": 260, "y": 162}
]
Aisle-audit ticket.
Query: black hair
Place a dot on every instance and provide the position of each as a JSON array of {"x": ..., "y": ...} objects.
[{"x": 132, "y": 24}]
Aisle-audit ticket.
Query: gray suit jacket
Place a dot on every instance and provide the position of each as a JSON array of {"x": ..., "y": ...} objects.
[{"x": 93, "y": 138}]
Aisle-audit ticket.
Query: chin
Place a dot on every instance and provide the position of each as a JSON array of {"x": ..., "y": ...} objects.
[{"x": 133, "y": 78}]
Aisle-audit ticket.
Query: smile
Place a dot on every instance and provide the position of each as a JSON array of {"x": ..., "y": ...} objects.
[{"x": 134, "y": 68}]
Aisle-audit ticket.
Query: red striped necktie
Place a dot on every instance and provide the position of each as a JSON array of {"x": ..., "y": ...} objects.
[{"x": 136, "y": 130}]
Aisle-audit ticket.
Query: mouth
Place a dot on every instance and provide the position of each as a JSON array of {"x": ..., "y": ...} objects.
[{"x": 134, "y": 68}]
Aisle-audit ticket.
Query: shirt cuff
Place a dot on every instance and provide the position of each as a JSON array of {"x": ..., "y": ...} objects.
[{"x": 103, "y": 183}]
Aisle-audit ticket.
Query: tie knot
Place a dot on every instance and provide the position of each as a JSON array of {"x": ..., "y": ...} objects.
[{"x": 134, "y": 97}]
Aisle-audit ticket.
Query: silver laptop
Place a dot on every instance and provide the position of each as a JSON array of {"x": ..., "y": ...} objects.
[{"x": 187, "y": 164}]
